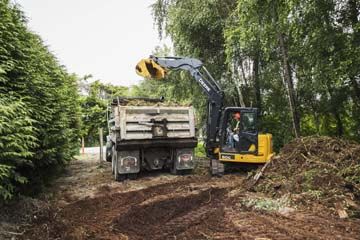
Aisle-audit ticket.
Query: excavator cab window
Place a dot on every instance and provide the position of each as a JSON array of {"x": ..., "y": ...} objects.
[
  {"x": 248, "y": 122},
  {"x": 240, "y": 133}
]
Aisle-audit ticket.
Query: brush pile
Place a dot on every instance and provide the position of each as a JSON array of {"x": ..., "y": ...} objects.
[{"x": 316, "y": 169}]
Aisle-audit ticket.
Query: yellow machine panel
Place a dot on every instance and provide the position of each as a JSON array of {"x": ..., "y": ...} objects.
[{"x": 265, "y": 152}]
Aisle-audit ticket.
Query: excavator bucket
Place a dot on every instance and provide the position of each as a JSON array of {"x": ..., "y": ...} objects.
[{"x": 150, "y": 69}]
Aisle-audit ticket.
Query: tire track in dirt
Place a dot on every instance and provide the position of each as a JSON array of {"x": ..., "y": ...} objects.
[
  {"x": 167, "y": 218},
  {"x": 164, "y": 207},
  {"x": 91, "y": 217}
]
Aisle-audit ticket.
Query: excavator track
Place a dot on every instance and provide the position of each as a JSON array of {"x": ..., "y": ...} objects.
[{"x": 217, "y": 168}]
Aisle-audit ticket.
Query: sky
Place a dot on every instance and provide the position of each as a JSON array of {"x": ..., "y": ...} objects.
[{"x": 104, "y": 38}]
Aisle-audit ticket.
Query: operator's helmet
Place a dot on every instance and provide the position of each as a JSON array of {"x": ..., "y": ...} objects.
[{"x": 236, "y": 115}]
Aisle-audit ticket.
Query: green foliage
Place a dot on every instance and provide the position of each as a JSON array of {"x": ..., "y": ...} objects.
[
  {"x": 200, "y": 150},
  {"x": 240, "y": 41},
  {"x": 94, "y": 104},
  {"x": 39, "y": 108}
]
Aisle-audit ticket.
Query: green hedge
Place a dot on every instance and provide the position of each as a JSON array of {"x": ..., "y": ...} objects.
[{"x": 39, "y": 106}]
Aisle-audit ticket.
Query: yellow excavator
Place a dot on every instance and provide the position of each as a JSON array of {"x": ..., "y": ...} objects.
[{"x": 232, "y": 134}]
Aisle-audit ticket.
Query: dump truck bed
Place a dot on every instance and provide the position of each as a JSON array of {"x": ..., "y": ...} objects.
[
  {"x": 151, "y": 136},
  {"x": 137, "y": 122}
]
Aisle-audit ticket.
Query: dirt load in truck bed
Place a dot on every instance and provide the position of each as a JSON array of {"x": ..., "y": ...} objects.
[
  {"x": 138, "y": 101},
  {"x": 86, "y": 204}
]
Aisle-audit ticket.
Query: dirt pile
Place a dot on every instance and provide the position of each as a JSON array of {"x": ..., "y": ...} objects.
[
  {"x": 316, "y": 169},
  {"x": 140, "y": 101}
]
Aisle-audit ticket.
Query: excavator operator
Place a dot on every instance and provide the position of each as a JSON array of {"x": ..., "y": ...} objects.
[{"x": 234, "y": 129}]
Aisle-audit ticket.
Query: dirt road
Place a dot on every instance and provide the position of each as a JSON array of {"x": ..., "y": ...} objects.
[{"x": 85, "y": 203}]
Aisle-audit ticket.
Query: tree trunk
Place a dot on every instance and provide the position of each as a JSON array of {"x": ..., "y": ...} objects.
[
  {"x": 354, "y": 12},
  {"x": 335, "y": 111},
  {"x": 238, "y": 90},
  {"x": 339, "y": 124},
  {"x": 356, "y": 88},
  {"x": 257, "y": 81},
  {"x": 237, "y": 83},
  {"x": 290, "y": 86},
  {"x": 243, "y": 72}
]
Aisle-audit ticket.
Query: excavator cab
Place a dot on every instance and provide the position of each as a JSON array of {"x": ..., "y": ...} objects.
[
  {"x": 240, "y": 140},
  {"x": 240, "y": 133}
]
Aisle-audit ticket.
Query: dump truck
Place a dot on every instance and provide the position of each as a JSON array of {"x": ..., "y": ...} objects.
[{"x": 149, "y": 134}]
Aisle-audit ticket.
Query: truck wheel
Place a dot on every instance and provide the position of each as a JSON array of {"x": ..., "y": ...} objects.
[
  {"x": 186, "y": 172},
  {"x": 120, "y": 177},
  {"x": 132, "y": 176},
  {"x": 109, "y": 151},
  {"x": 173, "y": 170},
  {"x": 180, "y": 172},
  {"x": 113, "y": 159}
]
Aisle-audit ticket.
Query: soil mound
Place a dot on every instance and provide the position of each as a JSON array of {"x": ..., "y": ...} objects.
[{"x": 316, "y": 168}]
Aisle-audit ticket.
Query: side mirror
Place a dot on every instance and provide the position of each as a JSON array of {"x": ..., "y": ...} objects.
[{"x": 148, "y": 68}]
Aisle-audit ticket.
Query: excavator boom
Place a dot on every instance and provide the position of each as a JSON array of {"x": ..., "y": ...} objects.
[{"x": 158, "y": 67}]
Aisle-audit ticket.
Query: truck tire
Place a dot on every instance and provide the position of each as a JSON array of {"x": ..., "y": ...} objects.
[
  {"x": 109, "y": 151},
  {"x": 132, "y": 176},
  {"x": 173, "y": 169},
  {"x": 120, "y": 177},
  {"x": 117, "y": 176},
  {"x": 113, "y": 157}
]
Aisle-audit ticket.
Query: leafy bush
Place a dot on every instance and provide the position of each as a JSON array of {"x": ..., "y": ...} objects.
[{"x": 200, "y": 150}]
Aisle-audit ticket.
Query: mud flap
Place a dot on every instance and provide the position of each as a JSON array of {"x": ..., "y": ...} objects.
[
  {"x": 128, "y": 162},
  {"x": 217, "y": 168},
  {"x": 184, "y": 159}
]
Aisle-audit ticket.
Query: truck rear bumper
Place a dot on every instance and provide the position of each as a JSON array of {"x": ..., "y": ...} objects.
[{"x": 151, "y": 143}]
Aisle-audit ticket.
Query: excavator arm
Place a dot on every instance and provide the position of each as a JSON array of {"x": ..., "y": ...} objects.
[{"x": 157, "y": 67}]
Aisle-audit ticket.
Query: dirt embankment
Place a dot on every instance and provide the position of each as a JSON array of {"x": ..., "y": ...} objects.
[{"x": 87, "y": 204}]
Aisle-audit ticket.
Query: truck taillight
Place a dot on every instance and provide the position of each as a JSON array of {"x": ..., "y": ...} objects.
[
  {"x": 128, "y": 161},
  {"x": 185, "y": 157}
]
